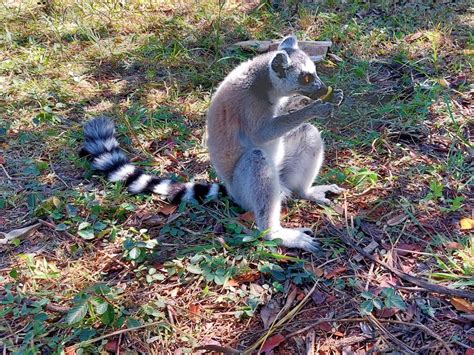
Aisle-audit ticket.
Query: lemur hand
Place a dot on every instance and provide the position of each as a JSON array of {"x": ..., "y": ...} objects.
[{"x": 319, "y": 109}]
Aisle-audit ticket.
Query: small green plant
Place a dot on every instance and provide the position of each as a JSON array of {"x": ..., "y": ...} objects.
[{"x": 388, "y": 298}]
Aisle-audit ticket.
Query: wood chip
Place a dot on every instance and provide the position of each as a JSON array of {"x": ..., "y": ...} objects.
[{"x": 368, "y": 249}]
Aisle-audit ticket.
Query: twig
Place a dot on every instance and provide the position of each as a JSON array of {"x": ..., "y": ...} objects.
[
  {"x": 6, "y": 172},
  {"x": 381, "y": 328},
  {"x": 412, "y": 279},
  {"x": 280, "y": 323},
  {"x": 310, "y": 343}
]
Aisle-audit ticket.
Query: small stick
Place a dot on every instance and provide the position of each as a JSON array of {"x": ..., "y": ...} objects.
[{"x": 6, "y": 172}]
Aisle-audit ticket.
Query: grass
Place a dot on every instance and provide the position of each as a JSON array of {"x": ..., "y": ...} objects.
[{"x": 104, "y": 271}]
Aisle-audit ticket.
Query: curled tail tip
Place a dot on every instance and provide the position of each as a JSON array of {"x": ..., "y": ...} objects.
[{"x": 101, "y": 127}]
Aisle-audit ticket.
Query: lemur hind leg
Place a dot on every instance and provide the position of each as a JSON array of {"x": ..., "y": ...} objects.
[
  {"x": 304, "y": 153},
  {"x": 256, "y": 187}
]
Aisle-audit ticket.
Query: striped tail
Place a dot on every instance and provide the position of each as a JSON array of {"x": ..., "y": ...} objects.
[{"x": 102, "y": 149}]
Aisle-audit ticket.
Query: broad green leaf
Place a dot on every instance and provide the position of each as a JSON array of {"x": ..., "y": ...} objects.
[
  {"x": 76, "y": 313},
  {"x": 100, "y": 305},
  {"x": 366, "y": 307},
  {"x": 86, "y": 234},
  {"x": 134, "y": 253},
  {"x": 108, "y": 316},
  {"x": 194, "y": 269}
]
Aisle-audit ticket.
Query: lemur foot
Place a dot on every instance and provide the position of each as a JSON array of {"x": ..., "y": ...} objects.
[
  {"x": 337, "y": 97},
  {"x": 300, "y": 238},
  {"x": 318, "y": 193}
]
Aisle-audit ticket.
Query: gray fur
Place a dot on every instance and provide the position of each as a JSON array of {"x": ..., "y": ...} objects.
[{"x": 260, "y": 146}]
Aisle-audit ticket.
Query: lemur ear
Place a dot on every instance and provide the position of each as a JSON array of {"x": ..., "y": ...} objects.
[
  {"x": 279, "y": 64},
  {"x": 289, "y": 42}
]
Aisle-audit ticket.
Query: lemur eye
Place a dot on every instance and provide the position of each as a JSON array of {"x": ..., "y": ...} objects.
[{"x": 307, "y": 78}]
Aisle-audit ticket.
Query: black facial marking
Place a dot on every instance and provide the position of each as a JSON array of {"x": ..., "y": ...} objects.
[
  {"x": 306, "y": 78},
  {"x": 278, "y": 65}
]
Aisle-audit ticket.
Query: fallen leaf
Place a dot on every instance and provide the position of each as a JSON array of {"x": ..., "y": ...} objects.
[
  {"x": 325, "y": 326},
  {"x": 338, "y": 333},
  {"x": 19, "y": 233},
  {"x": 414, "y": 36},
  {"x": 386, "y": 312},
  {"x": 405, "y": 248},
  {"x": 469, "y": 351},
  {"x": 318, "y": 272},
  {"x": 194, "y": 309},
  {"x": 269, "y": 313},
  {"x": 290, "y": 299},
  {"x": 217, "y": 348},
  {"x": 462, "y": 305},
  {"x": 466, "y": 224},
  {"x": 2, "y": 160},
  {"x": 247, "y": 217},
  {"x": 453, "y": 245},
  {"x": 300, "y": 295},
  {"x": 232, "y": 283},
  {"x": 111, "y": 346},
  {"x": 368, "y": 249},
  {"x": 168, "y": 209},
  {"x": 272, "y": 342},
  {"x": 334, "y": 272},
  {"x": 331, "y": 299},
  {"x": 70, "y": 350},
  {"x": 318, "y": 297},
  {"x": 249, "y": 276},
  {"x": 397, "y": 220}
]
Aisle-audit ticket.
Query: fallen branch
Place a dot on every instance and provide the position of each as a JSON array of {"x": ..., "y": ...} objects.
[{"x": 412, "y": 279}]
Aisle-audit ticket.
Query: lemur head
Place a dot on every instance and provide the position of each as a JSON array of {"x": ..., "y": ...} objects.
[{"x": 293, "y": 72}]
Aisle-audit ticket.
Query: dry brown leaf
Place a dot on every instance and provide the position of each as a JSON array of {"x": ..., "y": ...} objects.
[
  {"x": 318, "y": 297},
  {"x": 2, "y": 160},
  {"x": 232, "y": 283},
  {"x": 269, "y": 313},
  {"x": 386, "y": 312},
  {"x": 453, "y": 245},
  {"x": 397, "y": 220},
  {"x": 325, "y": 326},
  {"x": 462, "y": 305},
  {"x": 414, "y": 36},
  {"x": 405, "y": 248},
  {"x": 469, "y": 351},
  {"x": 194, "y": 309},
  {"x": 111, "y": 346},
  {"x": 272, "y": 342},
  {"x": 70, "y": 350},
  {"x": 168, "y": 209},
  {"x": 338, "y": 333},
  {"x": 466, "y": 224},
  {"x": 334, "y": 272},
  {"x": 318, "y": 272},
  {"x": 247, "y": 217},
  {"x": 249, "y": 276}
]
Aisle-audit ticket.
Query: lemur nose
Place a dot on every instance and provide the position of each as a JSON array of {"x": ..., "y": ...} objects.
[{"x": 321, "y": 86}]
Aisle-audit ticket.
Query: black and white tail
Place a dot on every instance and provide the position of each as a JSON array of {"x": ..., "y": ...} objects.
[{"x": 103, "y": 150}]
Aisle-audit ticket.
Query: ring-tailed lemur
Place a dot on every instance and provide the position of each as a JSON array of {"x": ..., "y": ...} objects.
[{"x": 261, "y": 150}]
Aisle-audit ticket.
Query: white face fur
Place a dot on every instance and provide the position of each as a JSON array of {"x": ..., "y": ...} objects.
[{"x": 292, "y": 71}]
